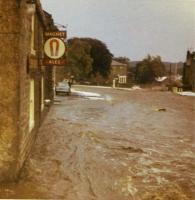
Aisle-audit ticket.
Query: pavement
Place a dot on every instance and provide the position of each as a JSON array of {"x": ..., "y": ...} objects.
[
  {"x": 107, "y": 144},
  {"x": 135, "y": 87}
]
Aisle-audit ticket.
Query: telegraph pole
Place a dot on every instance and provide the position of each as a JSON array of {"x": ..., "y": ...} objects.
[{"x": 170, "y": 71}]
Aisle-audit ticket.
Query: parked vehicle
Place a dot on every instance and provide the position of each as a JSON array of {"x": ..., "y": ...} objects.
[{"x": 63, "y": 88}]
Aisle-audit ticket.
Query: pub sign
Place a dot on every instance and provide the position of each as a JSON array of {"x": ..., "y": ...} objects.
[{"x": 54, "y": 48}]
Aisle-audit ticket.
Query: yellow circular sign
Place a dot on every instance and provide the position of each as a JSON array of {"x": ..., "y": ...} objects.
[{"x": 54, "y": 48}]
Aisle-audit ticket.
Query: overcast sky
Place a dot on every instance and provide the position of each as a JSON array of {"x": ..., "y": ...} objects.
[{"x": 132, "y": 28}]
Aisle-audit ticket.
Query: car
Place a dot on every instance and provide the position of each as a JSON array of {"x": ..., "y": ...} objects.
[{"x": 63, "y": 88}]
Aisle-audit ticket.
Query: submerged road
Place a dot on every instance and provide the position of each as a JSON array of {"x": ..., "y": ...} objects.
[{"x": 121, "y": 145}]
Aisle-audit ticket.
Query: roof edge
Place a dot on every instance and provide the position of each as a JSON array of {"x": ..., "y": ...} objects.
[{"x": 41, "y": 13}]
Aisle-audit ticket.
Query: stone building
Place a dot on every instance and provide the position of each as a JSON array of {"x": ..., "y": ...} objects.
[
  {"x": 24, "y": 82},
  {"x": 189, "y": 71},
  {"x": 119, "y": 71}
]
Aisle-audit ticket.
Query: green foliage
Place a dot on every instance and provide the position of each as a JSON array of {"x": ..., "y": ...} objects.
[
  {"x": 149, "y": 68},
  {"x": 101, "y": 56},
  {"x": 87, "y": 57},
  {"x": 79, "y": 58}
]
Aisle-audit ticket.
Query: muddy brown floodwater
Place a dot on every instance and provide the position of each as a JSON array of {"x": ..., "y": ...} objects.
[{"x": 126, "y": 145}]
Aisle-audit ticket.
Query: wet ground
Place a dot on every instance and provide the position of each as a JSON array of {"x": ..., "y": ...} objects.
[{"x": 122, "y": 145}]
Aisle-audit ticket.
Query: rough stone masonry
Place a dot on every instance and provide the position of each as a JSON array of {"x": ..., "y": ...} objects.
[{"x": 18, "y": 66}]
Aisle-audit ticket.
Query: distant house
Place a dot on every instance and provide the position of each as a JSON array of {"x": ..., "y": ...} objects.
[
  {"x": 119, "y": 71},
  {"x": 189, "y": 71}
]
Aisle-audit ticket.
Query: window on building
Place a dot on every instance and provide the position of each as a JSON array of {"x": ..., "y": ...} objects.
[
  {"x": 33, "y": 34},
  {"x": 32, "y": 105},
  {"x": 122, "y": 79},
  {"x": 42, "y": 93}
]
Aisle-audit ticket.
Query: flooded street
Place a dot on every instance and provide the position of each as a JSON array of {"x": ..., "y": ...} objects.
[{"x": 115, "y": 145}]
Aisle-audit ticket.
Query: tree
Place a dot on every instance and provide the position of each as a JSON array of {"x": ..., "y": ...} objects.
[
  {"x": 158, "y": 67},
  {"x": 79, "y": 58},
  {"x": 101, "y": 56},
  {"x": 88, "y": 57},
  {"x": 149, "y": 68},
  {"x": 144, "y": 73}
]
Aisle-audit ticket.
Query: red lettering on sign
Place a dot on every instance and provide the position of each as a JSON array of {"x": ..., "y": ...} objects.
[{"x": 57, "y": 62}]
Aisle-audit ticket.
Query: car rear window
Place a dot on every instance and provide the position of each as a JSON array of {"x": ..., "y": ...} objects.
[{"x": 63, "y": 84}]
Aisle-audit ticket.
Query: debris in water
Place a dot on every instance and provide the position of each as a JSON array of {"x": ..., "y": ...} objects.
[
  {"x": 161, "y": 180},
  {"x": 133, "y": 150},
  {"x": 161, "y": 109},
  {"x": 128, "y": 149},
  {"x": 90, "y": 135},
  {"x": 126, "y": 186}
]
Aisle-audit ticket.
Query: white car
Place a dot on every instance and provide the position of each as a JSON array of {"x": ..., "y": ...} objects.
[{"x": 63, "y": 88}]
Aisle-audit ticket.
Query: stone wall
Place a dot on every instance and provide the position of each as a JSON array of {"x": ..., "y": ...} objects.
[
  {"x": 9, "y": 87},
  {"x": 17, "y": 67},
  {"x": 24, "y": 77},
  {"x": 30, "y": 69}
]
